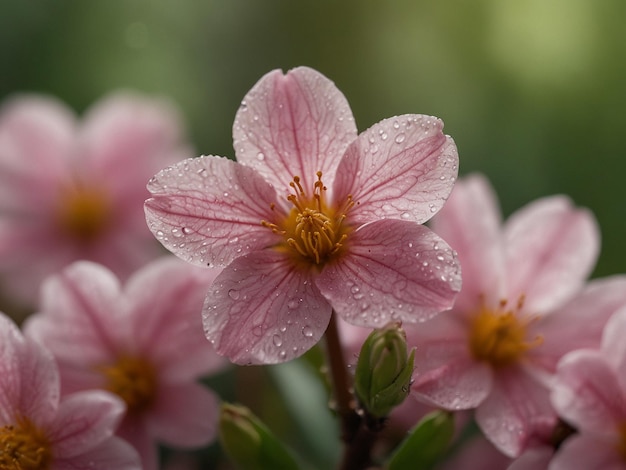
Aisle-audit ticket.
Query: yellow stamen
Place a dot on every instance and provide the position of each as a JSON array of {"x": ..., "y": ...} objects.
[
  {"x": 83, "y": 213},
  {"x": 24, "y": 447},
  {"x": 313, "y": 231},
  {"x": 498, "y": 336},
  {"x": 134, "y": 380}
]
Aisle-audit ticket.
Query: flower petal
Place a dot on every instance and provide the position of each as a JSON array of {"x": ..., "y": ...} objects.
[
  {"x": 36, "y": 141},
  {"x": 263, "y": 310},
  {"x": 184, "y": 415},
  {"x": 551, "y": 249},
  {"x": 29, "y": 378},
  {"x": 85, "y": 298},
  {"x": 587, "y": 394},
  {"x": 402, "y": 167},
  {"x": 166, "y": 299},
  {"x": 580, "y": 323},
  {"x": 517, "y": 409},
  {"x": 114, "y": 453},
  {"x": 130, "y": 131},
  {"x": 457, "y": 383},
  {"x": 392, "y": 271},
  {"x": 470, "y": 222},
  {"x": 535, "y": 458},
  {"x": 208, "y": 210},
  {"x": 293, "y": 125},
  {"x": 85, "y": 420},
  {"x": 613, "y": 342},
  {"x": 587, "y": 452}
]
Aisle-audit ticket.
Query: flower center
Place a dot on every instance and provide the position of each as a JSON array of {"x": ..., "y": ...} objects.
[
  {"x": 498, "y": 336},
  {"x": 313, "y": 231},
  {"x": 134, "y": 380},
  {"x": 83, "y": 212},
  {"x": 24, "y": 447}
]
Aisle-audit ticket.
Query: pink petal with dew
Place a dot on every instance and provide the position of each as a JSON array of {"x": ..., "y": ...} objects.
[
  {"x": 264, "y": 310},
  {"x": 587, "y": 394},
  {"x": 29, "y": 378},
  {"x": 517, "y": 410},
  {"x": 587, "y": 452},
  {"x": 401, "y": 168},
  {"x": 293, "y": 125},
  {"x": 85, "y": 420},
  {"x": 113, "y": 453},
  {"x": 551, "y": 248},
  {"x": 165, "y": 301},
  {"x": 445, "y": 374},
  {"x": 392, "y": 271},
  {"x": 579, "y": 323},
  {"x": 208, "y": 210},
  {"x": 535, "y": 458},
  {"x": 82, "y": 315},
  {"x": 184, "y": 416},
  {"x": 37, "y": 139},
  {"x": 470, "y": 222}
]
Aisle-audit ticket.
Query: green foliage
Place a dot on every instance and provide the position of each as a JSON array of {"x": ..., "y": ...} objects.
[{"x": 426, "y": 443}]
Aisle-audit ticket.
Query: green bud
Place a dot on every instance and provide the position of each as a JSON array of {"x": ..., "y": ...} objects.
[
  {"x": 249, "y": 443},
  {"x": 383, "y": 371}
]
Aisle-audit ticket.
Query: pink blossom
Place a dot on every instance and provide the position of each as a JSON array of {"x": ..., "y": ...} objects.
[
  {"x": 143, "y": 341},
  {"x": 590, "y": 394},
  {"x": 74, "y": 190},
  {"x": 38, "y": 429},
  {"x": 312, "y": 218},
  {"x": 524, "y": 304}
]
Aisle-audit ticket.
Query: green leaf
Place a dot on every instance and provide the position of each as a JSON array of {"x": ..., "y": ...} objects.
[
  {"x": 249, "y": 443},
  {"x": 426, "y": 443}
]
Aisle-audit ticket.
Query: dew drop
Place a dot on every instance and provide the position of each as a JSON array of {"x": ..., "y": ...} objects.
[
  {"x": 277, "y": 340},
  {"x": 399, "y": 138},
  {"x": 292, "y": 304},
  {"x": 233, "y": 294},
  {"x": 405, "y": 215},
  {"x": 307, "y": 331},
  {"x": 260, "y": 156},
  {"x": 176, "y": 233},
  {"x": 186, "y": 230}
]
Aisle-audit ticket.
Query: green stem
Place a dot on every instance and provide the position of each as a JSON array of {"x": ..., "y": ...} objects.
[{"x": 357, "y": 438}]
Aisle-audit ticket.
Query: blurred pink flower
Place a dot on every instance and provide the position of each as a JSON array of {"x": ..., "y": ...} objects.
[
  {"x": 522, "y": 307},
  {"x": 590, "y": 394},
  {"x": 313, "y": 218},
  {"x": 38, "y": 430},
  {"x": 143, "y": 342},
  {"x": 74, "y": 190}
]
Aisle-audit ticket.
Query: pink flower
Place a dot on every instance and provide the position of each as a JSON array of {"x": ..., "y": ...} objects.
[
  {"x": 313, "y": 218},
  {"x": 143, "y": 342},
  {"x": 75, "y": 190},
  {"x": 590, "y": 393},
  {"x": 522, "y": 307},
  {"x": 39, "y": 430}
]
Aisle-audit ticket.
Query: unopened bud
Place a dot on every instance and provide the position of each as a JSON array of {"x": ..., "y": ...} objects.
[
  {"x": 383, "y": 371},
  {"x": 249, "y": 443}
]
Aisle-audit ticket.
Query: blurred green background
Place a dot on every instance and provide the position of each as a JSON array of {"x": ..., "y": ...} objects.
[{"x": 533, "y": 92}]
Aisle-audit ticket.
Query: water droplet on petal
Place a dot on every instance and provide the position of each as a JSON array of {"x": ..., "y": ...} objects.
[
  {"x": 399, "y": 138},
  {"x": 186, "y": 230},
  {"x": 277, "y": 340},
  {"x": 405, "y": 215},
  {"x": 260, "y": 156},
  {"x": 307, "y": 331},
  {"x": 233, "y": 294}
]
